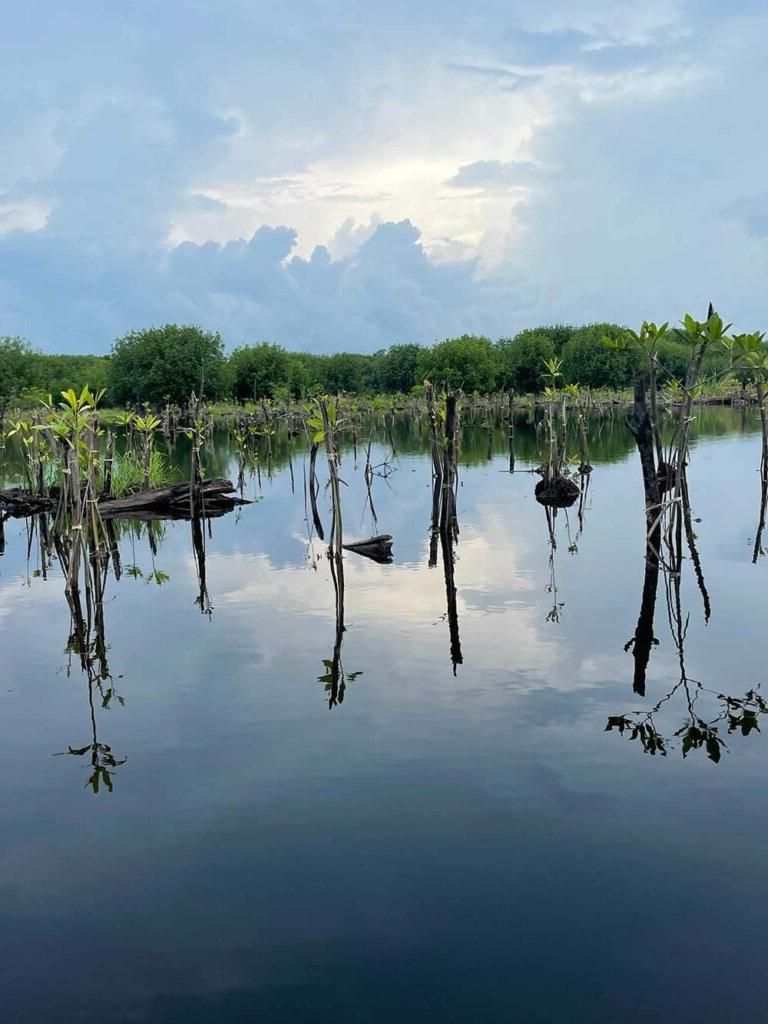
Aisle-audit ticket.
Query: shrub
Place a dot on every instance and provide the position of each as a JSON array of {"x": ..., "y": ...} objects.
[
  {"x": 167, "y": 363},
  {"x": 257, "y": 370},
  {"x": 469, "y": 362},
  {"x": 522, "y": 360},
  {"x": 587, "y": 361}
]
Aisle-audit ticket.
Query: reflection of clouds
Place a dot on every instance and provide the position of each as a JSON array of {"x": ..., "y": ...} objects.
[
  {"x": 402, "y": 607},
  {"x": 598, "y": 668},
  {"x": 19, "y": 597}
]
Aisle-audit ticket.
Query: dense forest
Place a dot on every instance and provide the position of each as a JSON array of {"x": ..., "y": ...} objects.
[{"x": 167, "y": 363}]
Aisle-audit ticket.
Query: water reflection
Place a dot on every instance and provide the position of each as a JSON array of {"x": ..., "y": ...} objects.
[
  {"x": 87, "y": 645},
  {"x": 758, "y": 550},
  {"x": 666, "y": 559},
  {"x": 705, "y": 709}
]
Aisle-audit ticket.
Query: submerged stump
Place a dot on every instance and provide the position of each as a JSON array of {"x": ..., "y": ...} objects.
[
  {"x": 378, "y": 548},
  {"x": 556, "y": 492}
]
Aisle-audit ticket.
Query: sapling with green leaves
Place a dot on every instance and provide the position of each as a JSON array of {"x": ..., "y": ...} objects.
[
  {"x": 553, "y": 396},
  {"x": 749, "y": 355},
  {"x": 647, "y": 342},
  {"x": 73, "y": 424},
  {"x": 146, "y": 426}
]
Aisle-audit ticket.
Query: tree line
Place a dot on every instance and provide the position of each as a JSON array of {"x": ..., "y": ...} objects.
[{"x": 167, "y": 363}]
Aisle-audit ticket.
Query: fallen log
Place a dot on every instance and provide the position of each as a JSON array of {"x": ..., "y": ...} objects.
[
  {"x": 17, "y": 503},
  {"x": 172, "y": 502},
  {"x": 556, "y": 492}
]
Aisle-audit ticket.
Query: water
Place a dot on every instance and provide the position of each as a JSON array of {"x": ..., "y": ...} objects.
[{"x": 438, "y": 846}]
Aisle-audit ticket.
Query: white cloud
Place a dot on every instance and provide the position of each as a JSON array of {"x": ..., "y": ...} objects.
[{"x": 481, "y": 170}]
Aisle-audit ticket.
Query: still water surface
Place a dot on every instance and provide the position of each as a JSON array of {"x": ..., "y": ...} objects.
[{"x": 447, "y": 843}]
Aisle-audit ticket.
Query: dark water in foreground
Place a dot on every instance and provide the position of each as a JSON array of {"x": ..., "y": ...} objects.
[{"x": 437, "y": 847}]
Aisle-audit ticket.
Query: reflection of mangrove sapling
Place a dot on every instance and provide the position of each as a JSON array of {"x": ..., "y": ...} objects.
[
  {"x": 325, "y": 428},
  {"x": 739, "y": 713}
]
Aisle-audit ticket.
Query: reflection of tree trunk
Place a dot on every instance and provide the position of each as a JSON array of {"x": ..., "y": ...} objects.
[
  {"x": 641, "y": 425},
  {"x": 449, "y": 528},
  {"x": 313, "y": 489},
  {"x": 644, "y": 639},
  {"x": 691, "y": 541},
  {"x": 114, "y": 550},
  {"x": 446, "y": 545},
  {"x": 197, "y": 511},
  {"x": 368, "y": 477},
  {"x": 434, "y": 529},
  {"x": 448, "y": 509},
  {"x": 337, "y": 685},
  {"x": 639, "y": 422},
  {"x": 758, "y": 548},
  {"x": 198, "y": 548}
]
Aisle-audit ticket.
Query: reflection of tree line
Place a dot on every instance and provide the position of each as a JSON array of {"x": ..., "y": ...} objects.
[{"x": 478, "y": 440}]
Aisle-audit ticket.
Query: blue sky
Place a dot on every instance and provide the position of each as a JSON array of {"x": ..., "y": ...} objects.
[{"x": 348, "y": 176}]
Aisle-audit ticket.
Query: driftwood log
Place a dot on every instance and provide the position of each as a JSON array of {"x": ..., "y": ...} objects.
[
  {"x": 16, "y": 503},
  {"x": 171, "y": 502}
]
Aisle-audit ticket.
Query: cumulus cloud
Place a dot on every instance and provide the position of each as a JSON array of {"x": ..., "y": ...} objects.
[{"x": 334, "y": 183}]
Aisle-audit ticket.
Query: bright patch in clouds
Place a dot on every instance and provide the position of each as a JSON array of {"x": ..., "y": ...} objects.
[{"x": 329, "y": 178}]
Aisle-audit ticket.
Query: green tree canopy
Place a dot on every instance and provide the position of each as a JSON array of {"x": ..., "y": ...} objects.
[
  {"x": 396, "y": 368},
  {"x": 587, "y": 361},
  {"x": 522, "y": 359},
  {"x": 257, "y": 370},
  {"x": 168, "y": 362},
  {"x": 52, "y": 374},
  {"x": 469, "y": 362},
  {"x": 15, "y": 367}
]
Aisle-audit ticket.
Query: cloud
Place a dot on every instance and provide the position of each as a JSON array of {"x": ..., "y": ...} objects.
[
  {"x": 751, "y": 212},
  {"x": 329, "y": 182},
  {"x": 503, "y": 78},
  {"x": 386, "y": 289},
  {"x": 493, "y": 175}
]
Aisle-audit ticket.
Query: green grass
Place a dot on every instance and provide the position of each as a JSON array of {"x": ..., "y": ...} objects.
[{"x": 128, "y": 473}]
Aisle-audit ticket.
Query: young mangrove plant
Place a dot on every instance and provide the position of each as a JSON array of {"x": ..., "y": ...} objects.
[
  {"x": 647, "y": 343},
  {"x": 749, "y": 356},
  {"x": 555, "y": 488},
  {"x": 145, "y": 427}
]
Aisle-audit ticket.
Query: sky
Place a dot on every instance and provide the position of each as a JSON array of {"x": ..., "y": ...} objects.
[{"x": 345, "y": 176}]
